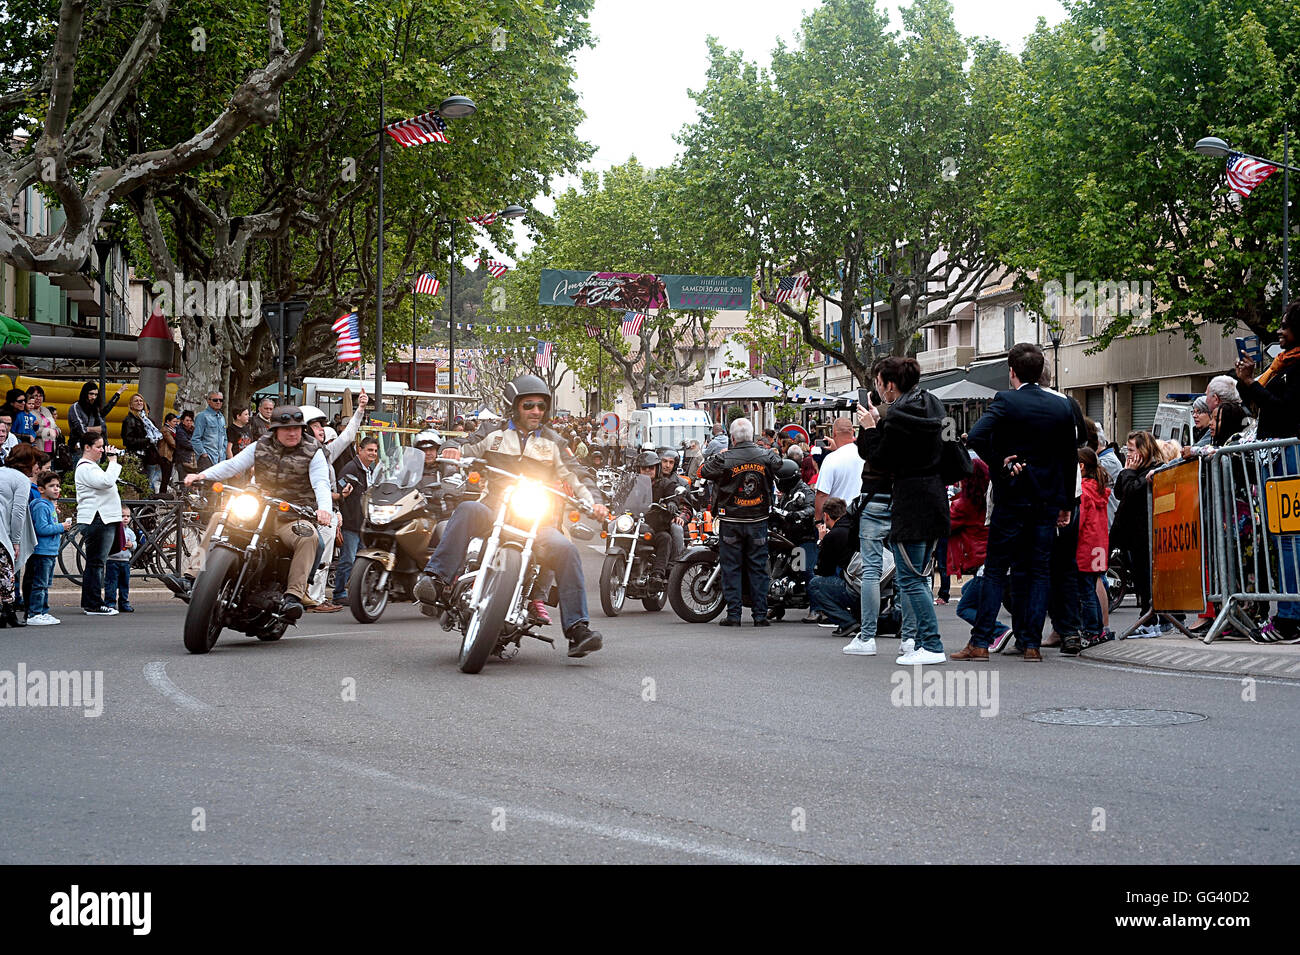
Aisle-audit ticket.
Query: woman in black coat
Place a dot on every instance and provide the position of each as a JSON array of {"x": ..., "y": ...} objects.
[
  {"x": 907, "y": 443},
  {"x": 1129, "y": 530}
]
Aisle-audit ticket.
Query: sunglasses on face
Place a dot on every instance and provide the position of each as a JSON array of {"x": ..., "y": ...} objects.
[
  {"x": 287, "y": 417},
  {"x": 532, "y": 405},
  {"x": 216, "y": 400}
]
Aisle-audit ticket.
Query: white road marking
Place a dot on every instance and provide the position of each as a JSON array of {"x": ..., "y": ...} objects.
[
  {"x": 546, "y": 817},
  {"x": 156, "y": 674}
]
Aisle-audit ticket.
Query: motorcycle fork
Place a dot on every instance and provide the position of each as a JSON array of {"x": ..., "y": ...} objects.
[
  {"x": 526, "y": 561},
  {"x": 631, "y": 555},
  {"x": 713, "y": 578}
]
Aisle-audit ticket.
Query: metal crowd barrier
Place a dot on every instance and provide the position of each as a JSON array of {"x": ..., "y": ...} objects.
[{"x": 165, "y": 538}]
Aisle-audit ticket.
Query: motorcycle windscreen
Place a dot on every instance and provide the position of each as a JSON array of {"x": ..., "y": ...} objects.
[
  {"x": 404, "y": 472},
  {"x": 638, "y": 496}
]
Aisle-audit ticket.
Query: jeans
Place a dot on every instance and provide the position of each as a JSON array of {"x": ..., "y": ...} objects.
[
  {"x": 98, "y": 539},
  {"x": 343, "y": 566},
  {"x": 154, "y": 473},
  {"x": 117, "y": 583},
  {"x": 968, "y": 605},
  {"x": 663, "y": 548},
  {"x": 831, "y": 595},
  {"x": 744, "y": 544},
  {"x": 553, "y": 550},
  {"x": 809, "y": 549},
  {"x": 913, "y": 586},
  {"x": 1090, "y": 624},
  {"x": 1064, "y": 599},
  {"x": 36, "y": 581},
  {"x": 873, "y": 531},
  {"x": 1020, "y": 541}
]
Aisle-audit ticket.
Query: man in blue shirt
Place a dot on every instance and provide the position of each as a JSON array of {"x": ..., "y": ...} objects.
[{"x": 209, "y": 437}]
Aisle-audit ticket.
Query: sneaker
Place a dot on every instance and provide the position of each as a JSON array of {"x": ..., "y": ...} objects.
[
  {"x": 845, "y": 629},
  {"x": 428, "y": 590},
  {"x": 1071, "y": 645},
  {"x": 829, "y": 625},
  {"x": 762, "y": 622},
  {"x": 940, "y": 601},
  {"x": 125, "y": 608},
  {"x": 1095, "y": 639},
  {"x": 860, "y": 648},
  {"x": 919, "y": 657},
  {"x": 583, "y": 640},
  {"x": 1001, "y": 640},
  {"x": 906, "y": 646},
  {"x": 101, "y": 612},
  {"x": 537, "y": 610},
  {"x": 42, "y": 620}
]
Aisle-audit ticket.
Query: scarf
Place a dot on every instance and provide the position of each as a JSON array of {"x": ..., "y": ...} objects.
[
  {"x": 150, "y": 429},
  {"x": 1287, "y": 357}
]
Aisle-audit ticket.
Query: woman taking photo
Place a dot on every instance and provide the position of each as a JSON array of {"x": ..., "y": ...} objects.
[
  {"x": 1129, "y": 530},
  {"x": 87, "y": 417}
]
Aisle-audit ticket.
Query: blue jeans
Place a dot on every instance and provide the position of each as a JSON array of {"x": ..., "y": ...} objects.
[
  {"x": 832, "y": 596},
  {"x": 98, "y": 539},
  {"x": 809, "y": 549},
  {"x": 913, "y": 586},
  {"x": 553, "y": 550},
  {"x": 117, "y": 583},
  {"x": 744, "y": 544},
  {"x": 968, "y": 605},
  {"x": 1090, "y": 624},
  {"x": 37, "y": 577},
  {"x": 343, "y": 566},
  {"x": 1020, "y": 541},
  {"x": 873, "y": 532}
]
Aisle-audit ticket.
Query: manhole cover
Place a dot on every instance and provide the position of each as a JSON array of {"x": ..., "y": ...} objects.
[{"x": 1090, "y": 716}]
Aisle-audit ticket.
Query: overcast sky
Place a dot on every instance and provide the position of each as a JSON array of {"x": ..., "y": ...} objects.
[{"x": 634, "y": 81}]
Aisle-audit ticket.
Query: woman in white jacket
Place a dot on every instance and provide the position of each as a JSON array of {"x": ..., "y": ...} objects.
[
  {"x": 99, "y": 513},
  {"x": 314, "y": 419}
]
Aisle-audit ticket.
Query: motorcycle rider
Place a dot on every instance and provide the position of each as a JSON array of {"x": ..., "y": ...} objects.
[
  {"x": 799, "y": 524},
  {"x": 670, "y": 539},
  {"x": 289, "y": 465},
  {"x": 532, "y": 448},
  {"x": 335, "y": 446}
]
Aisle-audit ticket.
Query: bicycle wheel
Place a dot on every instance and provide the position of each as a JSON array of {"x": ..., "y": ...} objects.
[{"x": 72, "y": 555}]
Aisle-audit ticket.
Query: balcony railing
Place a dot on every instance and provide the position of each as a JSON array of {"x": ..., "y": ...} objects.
[{"x": 945, "y": 359}]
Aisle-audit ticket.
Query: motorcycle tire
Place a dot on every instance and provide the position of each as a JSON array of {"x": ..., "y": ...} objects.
[
  {"x": 612, "y": 592},
  {"x": 484, "y": 627},
  {"x": 1116, "y": 588},
  {"x": 655, "y": 603},
  {"x": 272, "y": 631},
  {"x": 214, "y": 588},
  {"x": 685, "y": 586},
  {"x": 366, "y": 607}
]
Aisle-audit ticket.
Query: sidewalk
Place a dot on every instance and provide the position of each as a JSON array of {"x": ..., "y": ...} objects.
[{"x": 1175, "y": 652}]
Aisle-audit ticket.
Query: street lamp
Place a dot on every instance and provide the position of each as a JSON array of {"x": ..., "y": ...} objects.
[
  {"x": 512, "y": 211},
  {"x": 713, "y": 386},
  {"x": 1214, "y": 146},
  {"x": 453, "y": 107},
  {"x": 1055, "y": 334}
]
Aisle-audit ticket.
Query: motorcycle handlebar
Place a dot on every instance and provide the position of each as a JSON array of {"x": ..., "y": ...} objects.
[
  {"x": 481, "y": 462},
  {"x": 303, "y": 512}
]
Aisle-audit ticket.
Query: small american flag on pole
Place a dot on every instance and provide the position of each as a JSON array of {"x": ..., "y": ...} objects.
[
  {"x": 543, "y": 359},
  {"x": 632, "y": 323},
  {"x": 497, "y": 269},
  {"x": 593, "y": 331},
  {"x": 349, "y": 332},
  {"x": 427, "y": 284},
  {"x": 488, "y": 219},
  {"x": 791, "y": 287},
  {"x": 419, "y": 130},
  {"x": 1244, "y": 173}
]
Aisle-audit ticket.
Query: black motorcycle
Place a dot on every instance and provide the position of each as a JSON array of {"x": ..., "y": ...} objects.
[
  {"x": 629, "y": 557},
  {"x": 242, "y": 584}
]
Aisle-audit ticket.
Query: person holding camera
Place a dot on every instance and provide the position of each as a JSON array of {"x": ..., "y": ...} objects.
[{"x": 99, "y": 513}]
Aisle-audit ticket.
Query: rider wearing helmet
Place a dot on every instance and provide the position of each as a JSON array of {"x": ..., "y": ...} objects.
[
  {"x": 799, "y": 524},
  {"x": 430, "y": 442},
  {"x": 521, "y": 444},
  {"x": 335, "y": 446},
  {"x": 669, "y": 527}
]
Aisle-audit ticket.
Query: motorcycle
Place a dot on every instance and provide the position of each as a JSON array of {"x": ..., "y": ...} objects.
[
  {"x": 489, "y": 601},
  {"x": 629, "y": 552},
  {"x": 243, "y": 581}
]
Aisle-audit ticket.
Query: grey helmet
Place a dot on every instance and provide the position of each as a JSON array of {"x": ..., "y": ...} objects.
[
  {"x": 647, "y": 459},
  {"x": 428, "y": 438},
  {"x": 521, "y": 386}
]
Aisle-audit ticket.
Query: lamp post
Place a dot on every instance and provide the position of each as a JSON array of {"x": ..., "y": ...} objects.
[
  {"x": 512, "y": 211},
  {"x": 1214, "y": 146},
  {"x": 1055, "y": 334},
  {"x": 104, "y": 247},
  {"x": 713, "y": 386},
  {"x": 453, "y": 107}
]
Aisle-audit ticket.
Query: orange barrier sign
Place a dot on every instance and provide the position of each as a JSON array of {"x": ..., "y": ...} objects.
[
  {"x": 1177, "y": 580},
  {"x": 1282, "y": 505}
]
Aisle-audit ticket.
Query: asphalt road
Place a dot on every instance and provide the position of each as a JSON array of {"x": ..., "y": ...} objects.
[{"x": 676, "y": 743}]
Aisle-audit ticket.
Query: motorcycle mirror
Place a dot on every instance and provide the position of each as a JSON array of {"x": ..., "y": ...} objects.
[
  {"x": 681, "y": 489},
  {"x": 583, "y": 532}
]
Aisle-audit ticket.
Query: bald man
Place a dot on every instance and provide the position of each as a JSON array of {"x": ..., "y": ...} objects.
[{"x": 841, "y": 472}]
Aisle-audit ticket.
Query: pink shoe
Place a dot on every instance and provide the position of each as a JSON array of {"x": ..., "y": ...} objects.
[{"x": 538, "y": 610}]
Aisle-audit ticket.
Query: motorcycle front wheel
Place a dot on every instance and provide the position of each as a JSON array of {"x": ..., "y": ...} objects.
[
  {"x": 487, "y": 619},
  {"x": 612, "y": 592},
  {"x": 213, "y": 592},
  {"x": 687, "y": 593},
  {"x": 365, "y": 599}
]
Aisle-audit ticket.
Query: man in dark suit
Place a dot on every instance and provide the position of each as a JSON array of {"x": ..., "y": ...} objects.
[{"x": 1027, "y": 438}]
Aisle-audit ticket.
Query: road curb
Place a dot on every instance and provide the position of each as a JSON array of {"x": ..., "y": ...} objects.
[{"x": 1192, "y": 656}]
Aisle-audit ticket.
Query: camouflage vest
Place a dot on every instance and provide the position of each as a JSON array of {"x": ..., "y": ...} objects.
[{"x": 285, "y": 472}]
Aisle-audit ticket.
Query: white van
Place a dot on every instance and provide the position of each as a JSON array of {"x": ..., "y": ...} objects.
[
  {"x": 1173, "y": 422},
  {"x": 663, "y": 426}
]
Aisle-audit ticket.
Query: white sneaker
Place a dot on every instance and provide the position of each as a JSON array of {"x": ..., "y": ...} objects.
[
  {"x": 919, "y": 657},
  {"x": 42, "y": 620},
  {"x": 906, "y": 646},
  {"x": 861, "y": 648}
]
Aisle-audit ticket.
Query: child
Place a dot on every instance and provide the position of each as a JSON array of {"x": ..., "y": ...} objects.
[
  {"x": 1093, "y": 552},
  {"x": 49, "y": 537},
  {"x": 117, "y": 569}
]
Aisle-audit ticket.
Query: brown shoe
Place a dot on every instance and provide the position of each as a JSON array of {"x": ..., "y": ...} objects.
[
  {"x": 326, "y": 607},
  {"x": 970, "y": 652},
  {"x": 1032, "y": 655}
]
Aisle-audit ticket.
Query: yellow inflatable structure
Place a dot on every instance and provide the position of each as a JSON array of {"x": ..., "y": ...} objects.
[{"x": 61, "y": 394}]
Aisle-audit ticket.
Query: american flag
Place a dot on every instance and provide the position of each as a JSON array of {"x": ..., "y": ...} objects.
[
  {"x": 543, "y": 359},
  {"x": 1245, "y": 174},
  {"x": 419, "y": 130},
  {"x": 488, "y": 219},
  {"x": 632, "y": 323},
  {"x": 427, "y": 284},
  {"x": 593, "y": 331},
  {"x": 497, "y": 269},
  {"x": 349, "y": 344},
  {"x": 791, "y": 287}
]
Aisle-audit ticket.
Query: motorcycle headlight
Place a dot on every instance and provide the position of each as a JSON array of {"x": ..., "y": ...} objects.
[
  {"x": 530, "y": 502},
  {"x": 245, "y": 507},
  {"x": 624, "y": 524},
  {"x": 383, "y": 513}
]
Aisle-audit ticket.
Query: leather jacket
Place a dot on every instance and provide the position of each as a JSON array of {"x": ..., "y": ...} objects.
[{"x": 744, "y": 475}]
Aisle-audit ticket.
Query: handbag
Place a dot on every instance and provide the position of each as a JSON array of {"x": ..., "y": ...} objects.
[{"x": 954, "y": 463}]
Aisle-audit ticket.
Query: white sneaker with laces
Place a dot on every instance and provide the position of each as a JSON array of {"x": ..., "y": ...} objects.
[
  {"x": 861, "y": 648},
  {"x": 919, "y": 657},
  {"x": 906, "y": 646},
  {"x": 42, "y": 620}
]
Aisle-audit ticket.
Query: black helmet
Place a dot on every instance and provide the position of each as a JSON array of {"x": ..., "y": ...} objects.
[
  {"x": 647, "y": 459},
  {"x": 787, "y": 476},
  {"x": 521, "y": 386}
]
